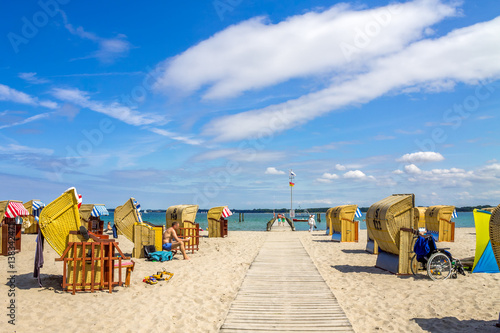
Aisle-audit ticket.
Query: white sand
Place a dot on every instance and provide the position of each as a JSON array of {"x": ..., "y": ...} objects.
[{"x": 198, "y": 297}]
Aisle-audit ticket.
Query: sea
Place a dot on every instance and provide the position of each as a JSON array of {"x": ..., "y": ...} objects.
[{"x": 258, "y": 221}]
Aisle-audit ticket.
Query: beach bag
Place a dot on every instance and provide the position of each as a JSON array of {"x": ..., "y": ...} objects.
[
  {"x": 148, "y": 249},
  {"x": 161, "y": 256}
]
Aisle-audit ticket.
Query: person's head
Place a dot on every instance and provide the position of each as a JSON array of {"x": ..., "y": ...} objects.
[
  {"x": 175, "y": 225},
  {"x": 311, "y": 216},
  {"x": 109, "y": 223}
]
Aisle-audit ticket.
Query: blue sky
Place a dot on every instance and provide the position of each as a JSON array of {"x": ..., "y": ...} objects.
[{"x": 212, "y": 103}]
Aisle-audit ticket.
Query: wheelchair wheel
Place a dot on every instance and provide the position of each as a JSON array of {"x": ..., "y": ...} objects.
[
  {"x": 439, "y": 266},
  {"x": 416, "y": 266}
]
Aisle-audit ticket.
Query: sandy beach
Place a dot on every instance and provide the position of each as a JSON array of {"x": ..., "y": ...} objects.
[{"x": 199, "y": 295}]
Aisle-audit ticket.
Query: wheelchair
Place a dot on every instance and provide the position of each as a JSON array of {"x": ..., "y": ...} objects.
[{"x": 438, "y": 263}]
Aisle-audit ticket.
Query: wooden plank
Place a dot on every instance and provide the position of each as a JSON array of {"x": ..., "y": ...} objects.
[{"x": 284, "y": 292}]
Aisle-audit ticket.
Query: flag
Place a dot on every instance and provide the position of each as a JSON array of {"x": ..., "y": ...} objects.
[
  {"x": 454, "y": 214},
  {"x": 292, "y": 174},
  {"x": 292, "y": 184},
  {"x": 358, "y": 213}
]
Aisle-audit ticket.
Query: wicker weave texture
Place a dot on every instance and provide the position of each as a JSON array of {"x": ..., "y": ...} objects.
[
  {"x": 495, "y": 233},
  {"x": 434, "y": 215},
  {"x": 340, "y": 214},
  {"x": 214, "y": 225},
  {"x": 419, "y": 214},
  {"x": 329, "y": 220},
  {"x": 32, "y": 229},
  {"x": 3, "y": 206},
  {"x": 125, "y": 217},
  {"x": 58, "y": 218},
  {"x": 385, "y": 218},
  {"x": 181, "y": 213}
]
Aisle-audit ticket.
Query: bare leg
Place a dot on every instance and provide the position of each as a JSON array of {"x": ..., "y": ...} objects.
[{"x": 183, "y": 249}]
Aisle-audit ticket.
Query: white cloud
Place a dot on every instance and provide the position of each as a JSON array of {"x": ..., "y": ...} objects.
[
  {"x": 32, "y": 78},
  {"x": 323, "y": 180},
  {"x": 274, "y": 171},
  {"x": 418, "y": 131},
  {"x": 382, "y": 137},
  {"x": 13, "y": 149},
  {"x": 114, "y": 110},
  {"x": 357, "y": 174},
  {"x": 28, "y": 120},
  {"x": 176, "y": 136},
  {"x": 398, "y": 172},
  {"x": 109, "y": 48},
  {"x": 327, "y": 175},
  {"x": 258, "y": 53},
  {"x": 421, "y": 157},
  {"x": 12, "y": 95},
  {"x": 241, "y": 155},
  {"x": 474, "y": 49},
  {"x": 340, "y": 167},
  {"x": 412, "y": 169}
]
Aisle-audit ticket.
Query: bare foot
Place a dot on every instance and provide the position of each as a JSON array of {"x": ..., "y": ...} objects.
[{"x": 187, "y": 258}]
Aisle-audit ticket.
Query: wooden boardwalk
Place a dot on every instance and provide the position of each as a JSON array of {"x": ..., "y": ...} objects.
[{"x": 284, "y": 292}]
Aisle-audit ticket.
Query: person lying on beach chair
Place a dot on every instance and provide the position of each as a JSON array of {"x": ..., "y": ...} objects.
[{"x": 171, "y": 241}]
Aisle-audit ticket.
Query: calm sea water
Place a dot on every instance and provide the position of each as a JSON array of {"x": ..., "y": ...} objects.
[{"x": 258, "y": 222}]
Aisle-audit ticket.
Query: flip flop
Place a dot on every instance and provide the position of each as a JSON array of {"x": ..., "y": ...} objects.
[{"x": 84, "y": 232}]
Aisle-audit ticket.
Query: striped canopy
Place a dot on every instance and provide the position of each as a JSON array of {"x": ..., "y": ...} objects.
[
  {"x": 138, "y": 209},
  {"x": 454, "y": 214},
  {"x": 15, "y": 209},
  {"x": 358, "y": 213},
  {"x": 226, "y": 212},
  {"x": 99, "y": 210}
]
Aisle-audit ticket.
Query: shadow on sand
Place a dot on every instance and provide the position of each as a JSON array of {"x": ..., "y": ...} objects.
[
  {"x": 360, "y": 269},
  {"x": 452, "y": 324}
]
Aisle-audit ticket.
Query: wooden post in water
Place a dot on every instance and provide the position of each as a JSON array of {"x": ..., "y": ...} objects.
[{"x": 318, "y": 217}]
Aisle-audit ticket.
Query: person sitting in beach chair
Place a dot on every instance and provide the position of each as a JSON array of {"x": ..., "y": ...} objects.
[{"x": 171, "y": 241}]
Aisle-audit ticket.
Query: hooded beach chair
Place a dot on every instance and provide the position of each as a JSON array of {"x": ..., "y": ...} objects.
[
  {"x": 129, "y": 223},
  {"x": 34, "y": 207},
  {"x": 185, "y": 215},
  {"x": 495, "y": 233},
  {"x": 438, "y": 223},
  {"x": 343, "y": 227},
  {"x": 217, "y": 221},
  {"x": 384, "y": 221},
  {"x": 484, "y": 258},
  {"x": 12, "y": 213},
  {"x": 419, "y": 216},
  {"x": 89, "y": 261},
  {"x": 90, "y": 215}
]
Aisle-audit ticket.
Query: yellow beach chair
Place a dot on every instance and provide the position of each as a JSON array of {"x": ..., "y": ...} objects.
[
  {"x": 384, "y": 221},
  {"x": 343, "y": 227},
  {"x": 217, "y": 222},
  {"x": 128, "y": 222},
  {"x": 419, "y": 216},
  {"x": 185, "y": 215},
  {"x": 438, "y": 223}
]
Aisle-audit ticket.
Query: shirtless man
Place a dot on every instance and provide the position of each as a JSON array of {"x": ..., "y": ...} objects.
[{"x": 171, "y": 241}]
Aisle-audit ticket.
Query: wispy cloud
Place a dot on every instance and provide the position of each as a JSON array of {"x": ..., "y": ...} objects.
[
  {"x": 245, "y": 155},
  {"x": 32, "y": 78},
  {"x": 109, "y": 50},
  {"x": 258, "y": 53},
  {"x": 176, "y": 136},
  {"x": 357, "y": 174},
  {"x": 12, "y": 95},
  {"x": 406, "y": 132},
  {"x": 28, "y": 120},
  {"x": 15, "y": 149},
  {"x": 473, "y": 49},
  {"x": 114, "y": 109},
  {"x": 383, "y": 137}
]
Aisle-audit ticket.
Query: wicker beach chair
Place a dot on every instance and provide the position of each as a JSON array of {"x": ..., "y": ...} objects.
[
  {"x": 34, "y": 207},
  {"x": 217, "y": 222},
  {"x": 10, "y": 229},
  {"x": 60, "y": 217},
  {"x": 384, "y": 221},
  {"x": 343, "y": 226},
  {"x": 438, "y": 223},
  {"x": 90, "y": 215},
  {"x": 185, "y": 215},
  {"x": 419, "y": 215},
  {"x": 495, "y": 233},
  {"x": 128, "y": 222}
]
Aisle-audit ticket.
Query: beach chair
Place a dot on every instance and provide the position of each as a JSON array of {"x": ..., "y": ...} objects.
[
  {"x": 495, "y": 233},
  {"x": 90, "y": 215},
  {"x": 343, "y": 227},
  {"x": 11, "y": 214},
  {"x": 384, "y": 221},
  {"x": 217, "y": 221},
  {"x": 185, "y": 215},
  {"x": 419, "y": 216},
  {"x": 438, "y": 223},
  {"x": 128, "y": 222},
  {"x": 34, "y": 207}
]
